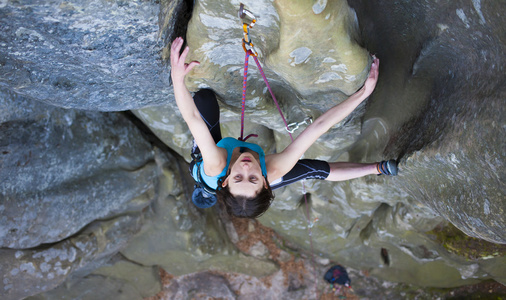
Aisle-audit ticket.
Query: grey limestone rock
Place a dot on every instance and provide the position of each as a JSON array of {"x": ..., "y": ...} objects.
[
  {"x": 32, "y": 271},
  {"x": 118, "y": 279},
  {"x": 86, "y": 54},
  {"x": 62, "y": 169}
]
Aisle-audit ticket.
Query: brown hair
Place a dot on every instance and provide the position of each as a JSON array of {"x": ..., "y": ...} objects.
[{"x": 244, "y": 207}]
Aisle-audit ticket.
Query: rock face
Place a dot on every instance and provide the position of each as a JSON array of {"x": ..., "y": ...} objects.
[
  {"x": 451, "y": 74},
  {"x": 28, "y": 272},
  {"x": 87, "y": 201},
  {"x": 62, "y": 172},
  {"x": 93, "y": 55},
  {"x": 55, "y": 162}
]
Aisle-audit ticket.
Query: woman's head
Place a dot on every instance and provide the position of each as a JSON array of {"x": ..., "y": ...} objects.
[
  {"x": 245, "y": 176},
  {"x": 245, "y": 191},
  {"x": 246, "y": 207}
]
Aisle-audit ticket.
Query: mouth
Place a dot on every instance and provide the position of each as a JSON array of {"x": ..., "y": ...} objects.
[{"x": 246, "y": 159}]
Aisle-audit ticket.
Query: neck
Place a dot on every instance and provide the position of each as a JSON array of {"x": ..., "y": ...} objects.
[{"x": 237, "y": 152}]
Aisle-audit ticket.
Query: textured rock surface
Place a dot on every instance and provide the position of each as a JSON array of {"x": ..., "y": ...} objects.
[
  {"x": 94, "y": 55},
  {"x": 76, "y": 186},
  {"x": 446, "y": 70},
  {"x": 296, "y": 277},
  {"x": 118, "y": 279},
  {"x": 28, "y": 272},
  {"x": 62, "y": 169}
]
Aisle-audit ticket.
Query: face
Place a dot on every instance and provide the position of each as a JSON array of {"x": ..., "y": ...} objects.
[{"x": 245, "y": 176}]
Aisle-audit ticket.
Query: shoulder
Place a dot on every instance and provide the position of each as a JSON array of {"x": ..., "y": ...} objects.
[
  {"x": 273, "y": 166},
  {"x": 213, "y": 166}
]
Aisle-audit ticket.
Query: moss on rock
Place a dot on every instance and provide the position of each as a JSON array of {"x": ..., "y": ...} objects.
[{"x": 455, "y": 241}]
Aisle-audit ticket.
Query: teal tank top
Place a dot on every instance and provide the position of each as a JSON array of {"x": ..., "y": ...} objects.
[{"x": 228, "y": 144}]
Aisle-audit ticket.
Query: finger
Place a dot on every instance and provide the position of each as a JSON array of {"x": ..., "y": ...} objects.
[
  {"x": 175, "y": 44},
  {"x": 374, "y": 68},
  {"x": 185, "y": 53},
  {"x": 372, "y": 71},
  {"x": 375, "y": 62},
  {"x": 175, "y": 48},
  {"x": 377, "y": 67},
  {"x": 191, "y": 65}
]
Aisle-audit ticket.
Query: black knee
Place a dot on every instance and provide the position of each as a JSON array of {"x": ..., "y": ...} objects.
[
  {"x": 207, "y": 104},
  {"x": 204, "y": 95}
]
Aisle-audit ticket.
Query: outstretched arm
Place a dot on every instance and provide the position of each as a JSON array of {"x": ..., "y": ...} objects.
[
  {"x": 213, "y": 156},
  {"x": 280, "y": 163}
]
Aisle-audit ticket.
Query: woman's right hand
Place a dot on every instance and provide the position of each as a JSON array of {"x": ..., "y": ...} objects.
[{"x": 179, "y": 68}]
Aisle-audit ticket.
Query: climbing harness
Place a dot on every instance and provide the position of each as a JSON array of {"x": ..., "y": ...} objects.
[
  {"x": 203, "y": 196},
  {"x": 249, "y": 20}
]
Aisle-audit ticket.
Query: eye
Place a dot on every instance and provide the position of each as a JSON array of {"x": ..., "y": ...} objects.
[
  {"x": 237, "y": 178},
  {"x": 253, "y": 179}
]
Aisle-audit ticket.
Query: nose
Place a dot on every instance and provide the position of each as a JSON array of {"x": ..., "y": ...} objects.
[{"x": 246, "y": 165}]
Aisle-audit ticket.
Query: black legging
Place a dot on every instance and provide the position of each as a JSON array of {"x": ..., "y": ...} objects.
[{"x": 209, "y": 110}]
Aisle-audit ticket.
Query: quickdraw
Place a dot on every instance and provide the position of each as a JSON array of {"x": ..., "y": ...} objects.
[{"x": 249, "y": 20}]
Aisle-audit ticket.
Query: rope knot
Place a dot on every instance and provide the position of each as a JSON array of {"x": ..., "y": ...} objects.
[{"x": 247, "y": 137}]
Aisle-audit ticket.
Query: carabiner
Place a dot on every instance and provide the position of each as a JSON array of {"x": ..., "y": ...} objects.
[
  {"x": 247, "y": 16},
  {"x": 248, "y": 21},
  {"x": 249, "y": 46},
  {"x": 294, "y": 126}
]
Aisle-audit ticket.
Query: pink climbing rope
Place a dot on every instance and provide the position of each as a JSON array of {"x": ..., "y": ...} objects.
[
  {"x": 243, "y": 101},
  {"x": 245, "y": 78},
  {"x": 272, "y": 95}
]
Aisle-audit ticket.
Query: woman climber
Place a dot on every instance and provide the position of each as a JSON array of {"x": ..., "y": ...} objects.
[{"x": 240, "y": 173}]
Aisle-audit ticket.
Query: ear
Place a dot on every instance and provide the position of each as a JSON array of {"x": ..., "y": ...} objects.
[
  {"x": 225, "y": 182},
  {"x": 266, "y": 184}
]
